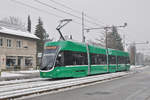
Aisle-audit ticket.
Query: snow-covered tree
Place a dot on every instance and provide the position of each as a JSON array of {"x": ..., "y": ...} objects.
[
  {"x": 114, "y": 40},
  {"x": 13, "y": 22}
]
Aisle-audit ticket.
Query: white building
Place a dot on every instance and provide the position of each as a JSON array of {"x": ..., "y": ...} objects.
[{"x": 17, "y": 49}]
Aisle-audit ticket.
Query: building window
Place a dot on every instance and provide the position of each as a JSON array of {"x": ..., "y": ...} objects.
[
  {"x": 1, "y": 42},
  {"x": 10, "y": 61},
  {"x": 9, "y": 43},
  {"x": 28, "y": 61},
  {"x": 19, "y": 44}
]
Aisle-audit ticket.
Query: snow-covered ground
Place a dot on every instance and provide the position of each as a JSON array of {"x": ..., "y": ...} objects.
[
  {"x": 136, "y": 66},
  {"x": 17, "y": 73},
  {"x": 29, "y": 71},
  {"x": 132, "y": 66},
  {"x": 9, "y": 74}
]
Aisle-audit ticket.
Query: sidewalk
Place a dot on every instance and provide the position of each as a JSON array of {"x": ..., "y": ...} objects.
[{"x": 14, "y": 75}]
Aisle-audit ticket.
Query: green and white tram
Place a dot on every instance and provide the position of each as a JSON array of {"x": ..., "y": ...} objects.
[{"x": 63, "y": 59}]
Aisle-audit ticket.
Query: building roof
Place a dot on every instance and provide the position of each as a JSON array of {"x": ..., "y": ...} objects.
[{"x": 17, "y": 33}]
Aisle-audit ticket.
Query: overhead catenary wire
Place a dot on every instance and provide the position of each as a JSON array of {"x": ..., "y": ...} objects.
[
  {"x": 76, "y": 11},
  {"x": 63, "y": 11},
  {"x": 43, "y": 11},
  {"x": 35, "y": 8},
  {"x": 56, "y": 8},
  {"x": 63, "y": 5},
  {"x": 94, "y": 19}
]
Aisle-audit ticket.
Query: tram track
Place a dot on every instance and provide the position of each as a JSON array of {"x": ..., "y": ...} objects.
[{"x": 19, "y": 90}]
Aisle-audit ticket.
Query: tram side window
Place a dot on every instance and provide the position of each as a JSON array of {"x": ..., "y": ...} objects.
[
  {"x": 102, "y": 59},
  {"x": 93, "y": 59},
  {"x": 68, "y": 58},
  {"x": 128, "y": 60},
  {"x": 98, "y": 59},
  {"x": 79, "y": 58},
  {"x": 112, "y": 59},
  {"x": 121, "y": 60},
  {"x": 125, "y": 60},
  {"x": 75, "y": 58}
]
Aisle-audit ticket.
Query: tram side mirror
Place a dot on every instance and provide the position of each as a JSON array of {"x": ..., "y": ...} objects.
[
  {"x": 58, "y": 61},
  {"x": 59, "y": 57}
]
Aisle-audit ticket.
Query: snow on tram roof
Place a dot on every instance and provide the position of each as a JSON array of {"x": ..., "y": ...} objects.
[{"x": 17, "y": 33}]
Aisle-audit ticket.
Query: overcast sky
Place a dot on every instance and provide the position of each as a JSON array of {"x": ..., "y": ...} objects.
[{"x": 109, "y": 12}]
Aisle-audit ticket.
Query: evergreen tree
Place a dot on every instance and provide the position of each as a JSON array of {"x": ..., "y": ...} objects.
[
  {"x": 40, "y": 32},
  {"x": 29, "y": 24},
  {"x": 114, "y": 40}
]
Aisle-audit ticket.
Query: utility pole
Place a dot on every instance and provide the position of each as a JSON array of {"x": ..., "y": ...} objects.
[
  {"x": 106, "y": 28},
  {"x": 83, "y": 37},
  {"x": 106, "y": 32},
  {"x": 124, "y": 42}
]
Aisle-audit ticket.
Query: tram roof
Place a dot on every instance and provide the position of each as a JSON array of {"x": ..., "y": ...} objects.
[
  {"x": 117, "y": 52},
  {"x": 81, "y": 47}
]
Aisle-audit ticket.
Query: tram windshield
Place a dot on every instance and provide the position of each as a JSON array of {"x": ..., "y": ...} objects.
[{"x": 48, "y": 58}]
